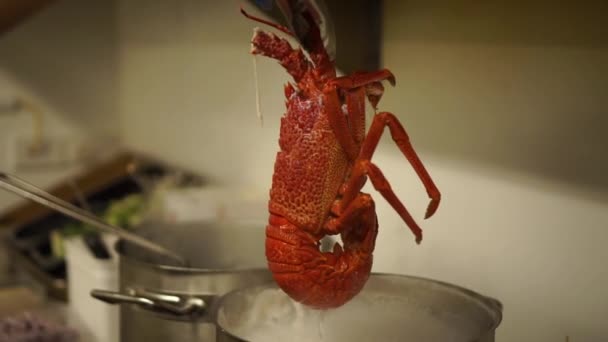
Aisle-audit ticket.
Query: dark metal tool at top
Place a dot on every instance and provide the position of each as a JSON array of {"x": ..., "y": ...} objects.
[
  {"x": 293, "y": 11},
  {"x": 26, "y": 190}
]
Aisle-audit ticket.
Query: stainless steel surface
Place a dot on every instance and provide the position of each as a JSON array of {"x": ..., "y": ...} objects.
[
  {"x": 208, "y": 246},
  {"x": 139, "y": 324},
  {"x": 293, "y": 9},
  {"x": 112, "y": 297},
  {"x": 409, "y": 309},
  {"x": 31, "y": 192},
  {"x": 176, "y": 305},
  {"x": 224, "y": 256}
]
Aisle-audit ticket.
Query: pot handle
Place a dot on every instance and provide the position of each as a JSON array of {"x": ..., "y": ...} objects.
[{"x": 155, "y": 301}]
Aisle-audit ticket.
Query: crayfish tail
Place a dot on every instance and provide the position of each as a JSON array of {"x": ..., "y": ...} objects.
[{"x": 320, "y": 280}]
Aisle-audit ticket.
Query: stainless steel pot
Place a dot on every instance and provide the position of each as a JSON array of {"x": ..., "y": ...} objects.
[
  {"x": 170, "y": 276},
  {"x": 163, "y": 301},
  {"x": 390, "y": 308}
]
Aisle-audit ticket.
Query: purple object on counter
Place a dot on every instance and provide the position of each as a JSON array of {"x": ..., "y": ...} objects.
[{"x": 29, "y": 328}]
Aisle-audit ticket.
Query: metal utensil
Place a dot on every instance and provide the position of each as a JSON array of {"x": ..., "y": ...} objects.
[
  {"x": 93, "y": 240},
  {"x": 175, "y": 305},
  {"x": 293, "y": 12},
  {"x": 26, "y": 190}
]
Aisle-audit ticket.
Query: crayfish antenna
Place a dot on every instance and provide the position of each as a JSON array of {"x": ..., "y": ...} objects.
[{"x": 266, "y": 22}]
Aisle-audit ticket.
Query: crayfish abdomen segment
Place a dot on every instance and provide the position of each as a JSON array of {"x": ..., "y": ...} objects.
[{"x": 319, "y": 280}]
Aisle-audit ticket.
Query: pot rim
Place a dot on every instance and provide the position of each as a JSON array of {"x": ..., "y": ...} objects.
[{"x": 493, "y": 306}]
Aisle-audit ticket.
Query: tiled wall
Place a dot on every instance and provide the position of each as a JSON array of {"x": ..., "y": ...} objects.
[
  {"x": 66, "y": 56},
  {"x": 64, "y": 59},
  {"x": 519, "y": 85},
  {"x": 188, "y": 88}
]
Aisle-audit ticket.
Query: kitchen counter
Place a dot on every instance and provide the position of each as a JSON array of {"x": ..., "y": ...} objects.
[{"x": 17, "y": 300}]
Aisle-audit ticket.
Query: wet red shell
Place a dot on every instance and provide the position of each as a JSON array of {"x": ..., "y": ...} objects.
[{"x": 311, "y": 166}]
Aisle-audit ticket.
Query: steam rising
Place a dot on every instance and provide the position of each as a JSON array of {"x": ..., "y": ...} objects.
[{"x": 267, "y": 314}]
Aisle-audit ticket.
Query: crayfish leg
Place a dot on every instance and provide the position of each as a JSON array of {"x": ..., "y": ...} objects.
[
  {"x": 370, "y": 81},
  {"x": 402, "y": 140},
  {"x": 339, "y": 123}
]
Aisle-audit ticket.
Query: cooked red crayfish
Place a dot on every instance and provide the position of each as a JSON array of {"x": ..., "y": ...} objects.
[{"x": 323, "y": 163}]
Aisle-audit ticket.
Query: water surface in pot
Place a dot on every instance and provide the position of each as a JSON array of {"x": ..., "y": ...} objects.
[{"x": 390, "y": 308}]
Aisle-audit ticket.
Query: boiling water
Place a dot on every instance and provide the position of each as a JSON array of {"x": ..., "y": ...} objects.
[{"x": 268, "y": 314}]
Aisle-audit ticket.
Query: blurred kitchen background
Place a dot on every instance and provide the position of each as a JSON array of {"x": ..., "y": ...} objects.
[{"x": 505, "y": 102}]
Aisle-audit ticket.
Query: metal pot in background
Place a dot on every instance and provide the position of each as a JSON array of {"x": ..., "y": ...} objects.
[
  {"x": 390, "y": 308},
  {"x": 164, "y": 301},
  {"x": 171, "y": 274}
]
